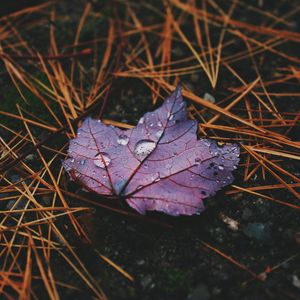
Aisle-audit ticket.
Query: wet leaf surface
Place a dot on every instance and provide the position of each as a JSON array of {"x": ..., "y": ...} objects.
[{"x": 158, "y": 165}]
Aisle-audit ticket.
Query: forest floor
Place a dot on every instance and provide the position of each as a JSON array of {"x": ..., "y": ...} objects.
[{"x": 238, "y": 63}]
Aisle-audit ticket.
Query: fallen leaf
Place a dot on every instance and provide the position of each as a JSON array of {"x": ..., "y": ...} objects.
[{"x": 158, "y": 165}]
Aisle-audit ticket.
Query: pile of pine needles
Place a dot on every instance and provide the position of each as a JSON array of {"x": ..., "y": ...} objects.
[{"x": 248, "y": 64}]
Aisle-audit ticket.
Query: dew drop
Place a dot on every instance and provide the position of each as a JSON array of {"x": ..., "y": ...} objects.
[
  {"x": 153, "y": 177},
  {"x": 159, "y": 133},
  {"x": 82, "y": 162},
  {"x": 72, "y": 160},
  {"x": 159, "y": 124},
  {"x": 197, "y": 161},
  {"x": 143, "y": 148},
  {"x": 220, "y": 167},
  {"x": 171, "y": 117},
  {"x": 168, "y": 166},
  {"x": 123, "y": 139},
  {"x": 119, "y": 185},
  {"x": 102, "y": 160}
]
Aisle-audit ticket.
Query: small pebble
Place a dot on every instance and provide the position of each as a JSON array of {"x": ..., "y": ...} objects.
[
  {"x": 210, "y": 98},
  {"x": 296, "y": 281},
  {"x": 30, "y": 157},
  {"x": 231, "y": 223},
  {"x": 258, "y": 231}
]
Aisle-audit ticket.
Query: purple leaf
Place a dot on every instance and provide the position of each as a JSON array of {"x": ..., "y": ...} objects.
[{"x": 158, "y": 165}]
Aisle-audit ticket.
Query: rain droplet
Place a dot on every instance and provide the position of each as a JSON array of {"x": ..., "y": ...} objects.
[
  {"x": 141, "y": 121},
  {"x": 72, "y": 160},
  {"x": 159, "y": 124},
  {"x": 102, "y": 160},
  {"x": 154, "y": 177},
  {"x": 220, "y": 167},
  {"x": 197, "y": 161},
  {"x": 123, "y": 139},
  {"x": 171, "y": 117},
  {"x": 159, "y": 133},
  {"x": 143, "y": 148}
]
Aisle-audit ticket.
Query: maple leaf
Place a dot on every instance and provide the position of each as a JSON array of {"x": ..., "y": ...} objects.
[{"x": 157, "y": 165}]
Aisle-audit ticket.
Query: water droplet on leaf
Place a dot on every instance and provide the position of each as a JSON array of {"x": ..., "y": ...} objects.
[
  {"x": 123, "y": 139},
  {"x": 197, "y": 161},
  {"x": 159, "y": 133},
  {"x": 102, "y": 160},
  {"x": 143, "y": 148}
]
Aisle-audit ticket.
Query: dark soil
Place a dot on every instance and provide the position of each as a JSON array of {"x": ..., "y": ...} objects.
[{"x": 169, "y": 257}]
